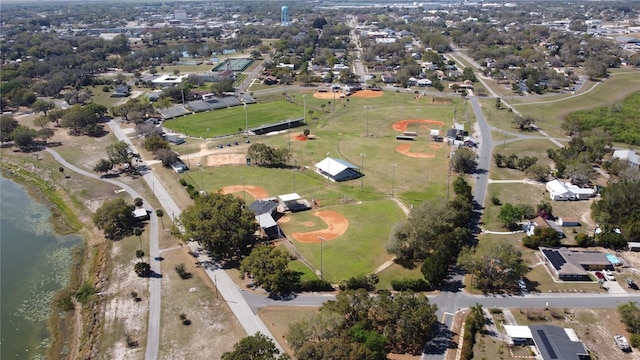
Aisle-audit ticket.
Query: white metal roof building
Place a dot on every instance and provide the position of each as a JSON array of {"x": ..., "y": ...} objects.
[{"x": 338, "y": 170}]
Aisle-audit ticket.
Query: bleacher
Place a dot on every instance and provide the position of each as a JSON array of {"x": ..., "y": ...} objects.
[
  {"x": 230, "y": 101},
  {"x": 174, "y": 112},
  {"x": 198, "y": 106}
]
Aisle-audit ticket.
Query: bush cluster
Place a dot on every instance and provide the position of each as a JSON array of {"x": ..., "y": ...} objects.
[
  {"x": 415, "y": 285},
  {"x": 316, "y": 285}
]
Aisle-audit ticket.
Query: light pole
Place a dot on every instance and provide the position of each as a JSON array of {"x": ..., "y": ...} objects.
[
  {"x": 362, "y": 156},
  {"x": 304, "y": 114},
  {"x": 289, "y": 133},
  {"x": 244, "y": 194},
  {"x": 366, "y": 126},
  {"x": 393, "y": 177},
  {"x": 321, "y": 241},
  {"x": 246, "y": 118},
  {"x": 295, "y": 170}
]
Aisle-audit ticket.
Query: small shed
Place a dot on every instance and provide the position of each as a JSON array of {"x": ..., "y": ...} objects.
[
  {"x": 519, "y": 334},
  {"x": 568, "y": 221},
  {"x": 140, "y": 214},
  {"x": 175, "y": 139},
  {"x": 337, "y": 169},
  {"x": 293, "y": 202}
]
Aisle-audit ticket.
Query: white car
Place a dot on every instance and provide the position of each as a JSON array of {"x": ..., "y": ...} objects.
[{"x": 608, "y": 274}]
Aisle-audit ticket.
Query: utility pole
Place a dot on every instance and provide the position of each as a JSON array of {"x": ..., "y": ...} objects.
[
  {"x": 366, "y": 126},
  {"x": 304, "y": 114},
  {"x": 246, "y": 119},
  {"x": 321, "y": 241}
]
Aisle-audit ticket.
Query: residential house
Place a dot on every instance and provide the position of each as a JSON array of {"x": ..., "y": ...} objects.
[
  {"x": 628, "y": 155},
  {"x": 121, "y": 91}
]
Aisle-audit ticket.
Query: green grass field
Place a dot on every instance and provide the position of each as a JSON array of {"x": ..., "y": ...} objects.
[
  {"x": 360, "y": 250},
  {"x": 232, "y": 120}
]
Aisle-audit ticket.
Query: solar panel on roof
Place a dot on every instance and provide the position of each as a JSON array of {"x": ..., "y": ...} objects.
[
  {"x": 547, "y": 344},
  {"x": 555, "y": 258}
]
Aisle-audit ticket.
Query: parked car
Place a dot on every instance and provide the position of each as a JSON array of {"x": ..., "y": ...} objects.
[
  {"x": 608, "y": 274},
  {"x": 599, "y": 275}
]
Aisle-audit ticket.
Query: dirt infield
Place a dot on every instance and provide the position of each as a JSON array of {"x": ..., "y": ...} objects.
[
  {"x": 255, "y": 191},
  {"x": 367, "y": 94},
  {"x": 403, "y": 124},
  {"x": 225, "y": 159},
  {"x": 327, "y": 95},
  {"x": 337, "y": 223},
  {"x": 299, "y": 137},
  {"x": 404, "y": 149}
]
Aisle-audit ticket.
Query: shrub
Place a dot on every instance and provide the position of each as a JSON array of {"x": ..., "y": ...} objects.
[
  {"x": 495, "y": 311},
  {"x": 634, "y": 340},
  {"x": 316, "y": 285},
  {"x": 495, "y": 201},
  {"x": 142, "y": 269},
  {"x": 415, "y": 285},
  {"x": 182, "y": 272},
  {"x": 367, "y": 282},
  {"x": 183, "y": 182},
  {"x": 85, "y": 293}
]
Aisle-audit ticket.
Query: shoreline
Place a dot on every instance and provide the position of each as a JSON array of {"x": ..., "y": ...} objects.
[{"x": 65, "y": 325}]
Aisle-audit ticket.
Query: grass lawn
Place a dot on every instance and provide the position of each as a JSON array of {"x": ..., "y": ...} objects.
[
  {"x": 278, "y": 318},
  {"x": 360, "y": 250},
  {"x": 228, "y": 121},
  {"x": 307, "y": 274},
  {"x": 398, "y": 272},
  {"x": 522, "y": 148},
  {"x": 516, "y": 193}
]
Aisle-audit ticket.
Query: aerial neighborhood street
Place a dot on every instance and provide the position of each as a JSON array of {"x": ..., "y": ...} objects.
[{"x": 323, "y": 180}]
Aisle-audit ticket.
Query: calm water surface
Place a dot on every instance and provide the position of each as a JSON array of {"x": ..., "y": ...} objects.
[{"x": 34, "y": 263}]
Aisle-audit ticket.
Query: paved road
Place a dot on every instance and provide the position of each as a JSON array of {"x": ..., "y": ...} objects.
[
  {"x": 484, "y": 154},
  {"x": 251, "y": 323},
  {"x": 153, "y": 332}
]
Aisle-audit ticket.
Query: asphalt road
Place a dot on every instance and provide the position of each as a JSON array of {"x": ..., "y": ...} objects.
[
  {"x": 484, "y": 154},
  {"x": 153, "y": 332}
]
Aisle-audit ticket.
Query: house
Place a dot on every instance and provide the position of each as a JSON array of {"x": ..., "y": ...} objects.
[
  {"x": 121, "y": 91},
  {"x": 560, "y": 191},
  {"x": 571, "y": 265},
  {"x": 552, "y": 342},
  {"x": 568, "y": 221},
  {"x": 540, "y": 222},
  {"x": 388, "y": 78},
  {"x": 337, "y": 170},
  {"x": 424, "y": 83},
  {"x": 633, "y": 246},
  {"x": 628, "y": 155}
]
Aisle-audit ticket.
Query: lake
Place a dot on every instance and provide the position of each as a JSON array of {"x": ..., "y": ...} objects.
[{"x": 34, "y": 264}]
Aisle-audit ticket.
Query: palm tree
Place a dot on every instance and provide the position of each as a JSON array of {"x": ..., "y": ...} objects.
[
  {"x": 160, "y": 214},
  {"x": 137, "y": 232},
  {"x": 138, "y": 202},
  {"x": 139, "y": 254}
]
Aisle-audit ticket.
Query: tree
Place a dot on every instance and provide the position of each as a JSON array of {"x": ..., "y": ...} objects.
[
  {"x": 160, "y": 215},
  {"x": 619, "y": 207},
  {"x": 43, "y": 106},
  {"x": 103, "y": 166},
  {"x": 41, "y": 121},
  {"x": 166, "y": 156},
  {"x": 138, "y": 202},
  {"x": 494, "y": 266},
  {"x": 464, "y": 160},
  {"x": 80, "y": 120},
  {"x": 255, "y": 347},
  {"x": 221, "y": 86},
  {"x": 139, "y": 254},
  {"x": 584, "y": 240},
  {"x": 547, "y": 237},
  {"x": 499, "y": 159},
  {"x": 7, "y": 125},
  {"x": 154, "y": 143},
  {"x": 267, "y": 266},
  {"x": 44, "y": 134},
  {"x": 539, "y": 172},
  {"x": 115, "y": 218},
  {"x": 523, "y": 122},
  {"x": 23, "y": 137},
  {"x": 221, "y": 223},
  {"x": 142, "y": 269},
  {"x": 509, "y": 215},
  {"x": 138, "y": 232},
  {"x": 120, "y": 153},
  {"x": 630, "y": 316},
  {"x": 262, "y": 154}
]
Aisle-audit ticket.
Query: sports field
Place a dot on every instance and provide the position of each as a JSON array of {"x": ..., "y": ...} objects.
[
  {"x": 233, "y": 120},
  {"x": 364, "y": 136}
]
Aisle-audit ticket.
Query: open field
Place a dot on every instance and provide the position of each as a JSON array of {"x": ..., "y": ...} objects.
[
  {"x": 213, "y": 330},
  {"x": 522, "y": 148},
  {"x": 278, "y": 318}
]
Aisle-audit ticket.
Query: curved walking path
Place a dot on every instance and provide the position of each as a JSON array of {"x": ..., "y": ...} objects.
[
  {"x": 231, "y": 293},
  {"x": 153, "y": 332}
]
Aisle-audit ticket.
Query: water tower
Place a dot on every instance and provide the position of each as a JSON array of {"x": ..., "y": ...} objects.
[{"x": 284, "y": 17}]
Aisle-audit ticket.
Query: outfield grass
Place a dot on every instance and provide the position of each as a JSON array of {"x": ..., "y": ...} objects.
[
  {"x": 360, "y": 250},
  {"x": 232, "y": 120}
]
